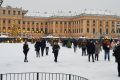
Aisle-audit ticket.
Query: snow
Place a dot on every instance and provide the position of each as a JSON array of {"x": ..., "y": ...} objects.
[
  {"x": 69, "y": 13},
  {"x": 3, "y": 36},
  {"x": 11, "y": 61}
]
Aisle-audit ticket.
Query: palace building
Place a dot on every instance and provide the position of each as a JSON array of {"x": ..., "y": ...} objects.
[{"x": 84, "y": 24}]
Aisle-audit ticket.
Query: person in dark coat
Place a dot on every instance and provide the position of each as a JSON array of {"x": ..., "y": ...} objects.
[
  {"x": 25, "y": 51},
  {"x": 75, "y": 45},
  {"x": 106, "y": 48},
  {"x": 55, "y": 49},
  {"x": 84, "y": 48},
  {"x": 37, "y": 48},
  {"x": 116, "y": 53},
  {"x": 90, "y": 50},
  {"x": 42, "y": 45}
]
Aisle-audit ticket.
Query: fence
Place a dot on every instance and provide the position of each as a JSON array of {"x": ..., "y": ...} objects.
[{"x": 40, "y": 76}]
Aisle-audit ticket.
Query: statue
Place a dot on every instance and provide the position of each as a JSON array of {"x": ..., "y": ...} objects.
[{"x": 1, "y": 1}]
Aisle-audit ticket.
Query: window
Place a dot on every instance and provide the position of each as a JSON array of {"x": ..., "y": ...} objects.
[
  {"x": 23, "y": 22},
  {"x": 87, "y": 30},
  {"x": 106, "y": 31},
  {"x": 37, "y": 23},
  {"x": 9, "y": 21},
  {"x": 18, "y": 21},
  {"x": 9, "y": 28},
  {"x": 3, "y": 21},
  {"x": 33, "y": 23},
  {"x": 69, "y": 23},
  {"x": 14, "y": 12},
  {"x": 77, "y": 30},
  {"x": 100, "y": 23},
  {"x": 23, "y": 28},
  {"x": 113, "y": 24},
  {"x": 113, "y": 31},
  {"x": 3, "y": 27},
  {"x": 93, "y": 30},
  {"x": 3, "y": 11},
  {"x": 37, "y": 29},
  {"x": 45, "y": 23},
  {"x": 93, "y": 22},
  {"x": 9, "y": 12},
  {"x": 19, "y": 28},
  {"x": 69, "y": 31},
  {"x": 32, "y": 29},
  {"x": 64, "y": 22},
  {"x": 28, "y": 23},
  {"x": 81, "y": 30},
  {"x": 41, "y": 23},
  {"x": 87, "y": 22},
  {"x": 28, "y": 29},
  {"x": 18, "y": 12},
  {"x": 61, "y": 22},
  {"x": 41, "y": 29},
  {"x": 100, "y": 31},
  {"x": 106, "y": 23}
]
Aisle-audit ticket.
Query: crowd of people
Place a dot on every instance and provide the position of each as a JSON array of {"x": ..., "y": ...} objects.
[{"x": 89, "y": 48}]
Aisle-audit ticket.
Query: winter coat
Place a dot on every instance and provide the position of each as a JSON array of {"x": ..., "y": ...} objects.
[
  {"x": 117, "y": 53},
  {"x": 37, "y": 46},
  {"x": 55, "y": 48},
  {"x": 90, "y": 48},
  {"x": 43, "y": 44},
  {"x": 83, "y": 45},
  {"x": 106, "y": 47},
  {"x": 25, "y": 48},
  {"x": 97, "y": 48},
  {"x": 75, "y": 43}
]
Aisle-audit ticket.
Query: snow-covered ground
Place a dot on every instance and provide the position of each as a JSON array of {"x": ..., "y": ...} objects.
[{"x": 11, "y": 61}]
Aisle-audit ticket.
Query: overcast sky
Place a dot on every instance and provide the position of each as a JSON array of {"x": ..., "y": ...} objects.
[{"x": 65, "y": 5}]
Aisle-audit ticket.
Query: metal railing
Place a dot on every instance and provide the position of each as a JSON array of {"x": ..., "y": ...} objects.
[{"x": 40, "y": 76}]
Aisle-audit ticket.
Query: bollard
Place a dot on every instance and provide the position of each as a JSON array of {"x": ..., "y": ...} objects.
[
  {"x": 69, "y": 76},
  {"x": 1, "y": 76},
  {"x": 37, "y": 76}
]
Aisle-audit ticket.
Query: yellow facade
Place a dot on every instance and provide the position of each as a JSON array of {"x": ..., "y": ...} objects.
[{"x": 88, "y": 25}]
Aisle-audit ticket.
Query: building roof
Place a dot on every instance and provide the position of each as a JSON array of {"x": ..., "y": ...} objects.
[{"x": 70, "y": 14}]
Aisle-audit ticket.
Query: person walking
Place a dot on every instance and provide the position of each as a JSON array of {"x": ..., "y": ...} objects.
[
  {"x": 90, "y": 50},
  {"x": 55, "y": 49},
  {"x": 43, "y": 45},
  {"x": 25, "y": 51},
  {"x": 97, "y": 50},
  {"x": 37, "y": 48},
  {"x": 84, "y": 48},
  {"x": 75, "y": 45},
  {"x": 47, "y": 47},
  {"x": 116, "y": 53}
]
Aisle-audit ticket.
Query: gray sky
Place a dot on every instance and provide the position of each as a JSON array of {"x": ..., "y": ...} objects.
[{"x": 65, "y": 5}]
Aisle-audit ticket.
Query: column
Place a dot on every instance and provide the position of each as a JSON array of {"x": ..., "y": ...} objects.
[
  {"x": 53, "y": 27},
  {"x": 84, "y": 26}
]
